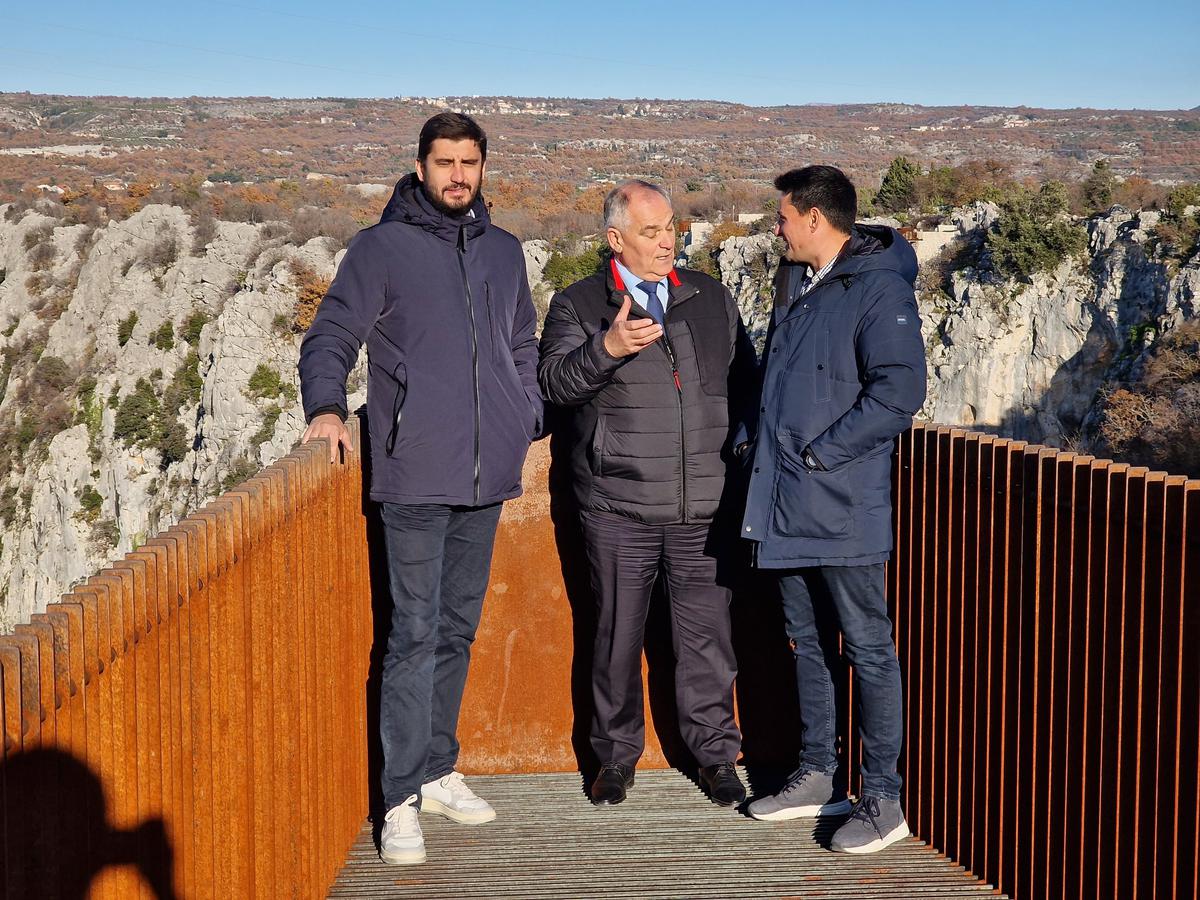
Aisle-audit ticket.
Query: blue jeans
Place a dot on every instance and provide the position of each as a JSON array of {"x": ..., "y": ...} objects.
[
  {"x": 817, "y": 602},
  {"x": 439, "y": 558}
]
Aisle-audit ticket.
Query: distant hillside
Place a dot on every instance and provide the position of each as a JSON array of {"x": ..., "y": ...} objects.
[{"x": 577, "y": 141}]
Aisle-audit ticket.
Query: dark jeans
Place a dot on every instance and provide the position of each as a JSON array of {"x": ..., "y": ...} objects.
[
  {"x": 625, "y": 558},
  {"x": 816, "y": 603},
  {"x": 439, "y": 558}
]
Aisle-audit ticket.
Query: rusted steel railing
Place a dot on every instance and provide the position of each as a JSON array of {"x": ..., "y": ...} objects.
[
  {"x": 1047, "y": 610},
  {"x": 191, "y": 721}
]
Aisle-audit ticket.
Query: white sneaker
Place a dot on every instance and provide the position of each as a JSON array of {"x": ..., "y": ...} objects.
[
  {"x": 402, "y": 843},
  {"x": 450, "y": 797}
]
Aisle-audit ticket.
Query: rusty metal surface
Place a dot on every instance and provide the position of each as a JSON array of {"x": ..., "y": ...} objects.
[
  {"x": 518, "y": 711},
  {"x": 160, "y": 723},
  {"x": 1048, "y": 651},
  {"x": 666, "y": 840}
]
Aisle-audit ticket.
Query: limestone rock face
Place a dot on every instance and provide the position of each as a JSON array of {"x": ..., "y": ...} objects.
[
  {"x": 1025, "y": 363},
  {"x": 1029, "y": 361},
  {"x": 748, "y": 266},
  {"x": 975, "y": 218},
  {"x": 134, "y": 305},
  {"x": 537, "y": 254},
  {"x": 1023, "y": 360}
]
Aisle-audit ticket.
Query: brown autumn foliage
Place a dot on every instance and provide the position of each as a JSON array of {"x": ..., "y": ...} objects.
[
  {"x": 310, "y": 290},
  {"x": 1155, "y": 422},
  {"x": 548, "y": 172}
]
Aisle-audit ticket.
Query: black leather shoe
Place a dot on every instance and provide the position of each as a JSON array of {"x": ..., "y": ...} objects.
[
  {"x": 612, "y": 781},
  {"x": 722, "y": 783}
]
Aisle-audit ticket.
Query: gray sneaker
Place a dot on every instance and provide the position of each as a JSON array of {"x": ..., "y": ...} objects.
[
  {"x": 874, "y": 823},
  {"x": 808, "y": 794}
]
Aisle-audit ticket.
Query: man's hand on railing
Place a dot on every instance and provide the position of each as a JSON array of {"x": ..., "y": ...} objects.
[{"x": 333, "y": 429}]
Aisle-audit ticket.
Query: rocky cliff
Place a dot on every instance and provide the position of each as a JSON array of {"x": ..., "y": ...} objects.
[
  {"x": 151, "y": 362},
  {"x": 1027, "y": 360}
]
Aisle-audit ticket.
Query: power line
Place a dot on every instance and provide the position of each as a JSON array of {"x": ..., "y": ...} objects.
[{"x": 108, "y": 64}]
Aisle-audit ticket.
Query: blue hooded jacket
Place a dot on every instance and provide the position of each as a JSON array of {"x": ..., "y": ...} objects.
[
  {"x": 443, "y": 305},
  {"x": 844, "y": 372}
]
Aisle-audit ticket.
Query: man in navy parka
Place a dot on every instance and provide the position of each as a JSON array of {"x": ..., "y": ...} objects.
[
  {"x": 844, "y": 372},
  {"x": 439, "y": 296}
]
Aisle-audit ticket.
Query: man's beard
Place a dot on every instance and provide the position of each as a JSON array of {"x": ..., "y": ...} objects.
[{"x": 446, "y": 209}]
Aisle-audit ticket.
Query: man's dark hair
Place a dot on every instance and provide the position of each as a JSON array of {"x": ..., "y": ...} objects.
[
  {"x": 826, "y": 188},
  {"x": 453, "y": 127}
]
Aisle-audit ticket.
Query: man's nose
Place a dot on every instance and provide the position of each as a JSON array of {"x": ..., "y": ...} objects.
[{"x": 458, "y": 172}]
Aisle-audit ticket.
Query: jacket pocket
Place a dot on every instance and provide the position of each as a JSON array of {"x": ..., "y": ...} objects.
[
  {"x": 597, "y": 454},
  {"x": 809, "y": 503},
  {"x": 400, "y": 375},
  {"x": 710, "y": 344},
  {"x": 501, "y": 346}
]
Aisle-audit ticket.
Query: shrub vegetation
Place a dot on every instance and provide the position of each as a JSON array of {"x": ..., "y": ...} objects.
[
  {"x": 125, "y": 328},
  {"x": 564, "y": 269},
  {"x": 1032, "y": 233}
]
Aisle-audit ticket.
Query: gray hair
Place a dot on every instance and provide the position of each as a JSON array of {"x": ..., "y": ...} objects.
[{"x": 616, "y": 204}]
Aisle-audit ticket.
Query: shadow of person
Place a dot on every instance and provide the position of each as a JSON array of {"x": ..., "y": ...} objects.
[
  {"x": 768, "y": 700},
  {"x": 381, "y": 626},
  {"x": 57, "y": 837},
  {"x": 573, "y": 565}
]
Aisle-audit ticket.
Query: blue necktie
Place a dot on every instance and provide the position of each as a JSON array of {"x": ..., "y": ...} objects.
[{"x": 653, "y": 304}]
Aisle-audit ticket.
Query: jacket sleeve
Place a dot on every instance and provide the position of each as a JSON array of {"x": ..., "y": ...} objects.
[
  {"x": 524, "y": 347},
  {"x": 573, "y": 368},
  {"x": 891, "y": 357},
  {"x": 345, "y": 317}
]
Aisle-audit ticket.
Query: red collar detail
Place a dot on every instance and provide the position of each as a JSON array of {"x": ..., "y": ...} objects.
[
  {"x": 616, "y": 274},
  {"x": 619, "y": 282}
]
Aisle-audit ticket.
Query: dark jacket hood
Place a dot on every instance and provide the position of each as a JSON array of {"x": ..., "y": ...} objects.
[
  {"x": 878, "y": 247},
  {"x": 410, "y": 206}
]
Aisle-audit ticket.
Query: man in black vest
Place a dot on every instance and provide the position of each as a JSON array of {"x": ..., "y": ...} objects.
[{"x": 647, "y": 360}]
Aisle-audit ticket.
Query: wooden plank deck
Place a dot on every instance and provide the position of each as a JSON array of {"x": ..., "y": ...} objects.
[{"x": 666, "y": 840}]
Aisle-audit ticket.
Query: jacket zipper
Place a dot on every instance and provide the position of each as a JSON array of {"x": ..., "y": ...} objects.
[
  {"x": 670, "y": 350},
  {"x": 462, "y": 266}
]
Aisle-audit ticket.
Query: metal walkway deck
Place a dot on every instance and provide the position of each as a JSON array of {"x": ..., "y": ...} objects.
[{"x": 666, "y": 840}]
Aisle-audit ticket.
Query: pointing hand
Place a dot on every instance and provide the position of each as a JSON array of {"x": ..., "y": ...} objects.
[{"x": 624, "y": 337}]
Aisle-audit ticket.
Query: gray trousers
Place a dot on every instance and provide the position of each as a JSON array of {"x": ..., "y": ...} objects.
[{"x": 625, "y": 557}]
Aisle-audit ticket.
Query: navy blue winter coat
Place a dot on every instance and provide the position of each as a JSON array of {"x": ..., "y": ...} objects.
[
  {"x": 843, "y": 374},
  {"x": 443, "y": 305}
]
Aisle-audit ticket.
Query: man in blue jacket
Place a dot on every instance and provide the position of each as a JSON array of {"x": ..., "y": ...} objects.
[
  {"x": 844, "y": 373},
  {"x": 439, "y": 296}
]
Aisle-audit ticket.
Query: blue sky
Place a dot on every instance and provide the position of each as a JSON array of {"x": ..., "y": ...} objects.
[{"x": 1100, "y": 54}]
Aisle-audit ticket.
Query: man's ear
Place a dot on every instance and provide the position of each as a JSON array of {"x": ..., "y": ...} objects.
[
  {"x": 420, "y": 171},
  {"x": 614, "y": 240}
]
